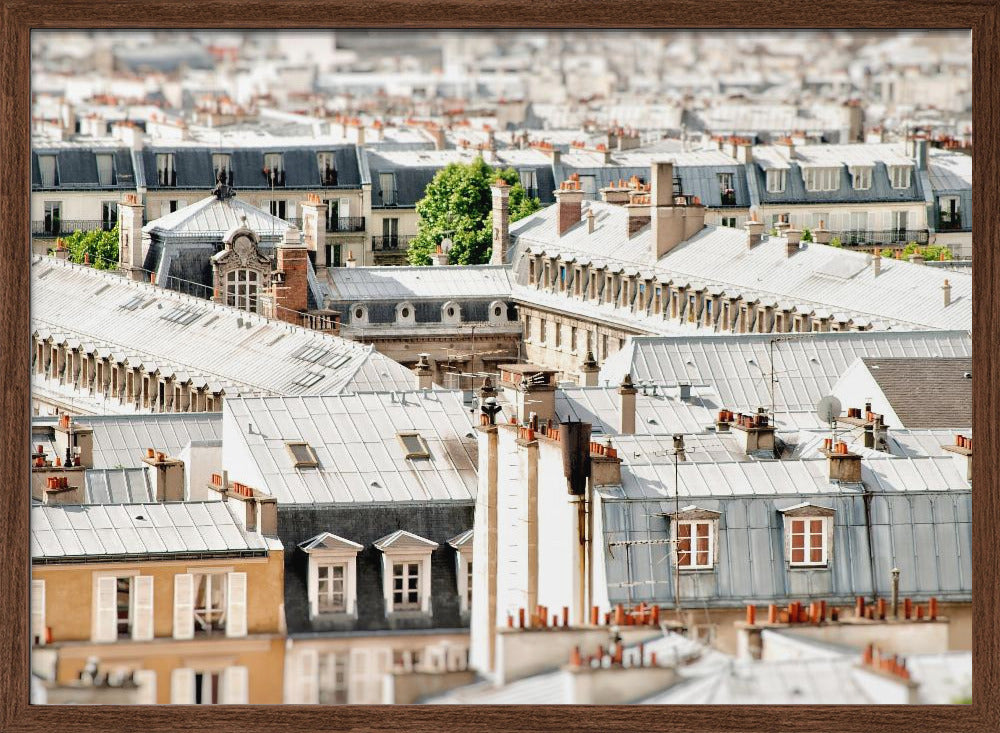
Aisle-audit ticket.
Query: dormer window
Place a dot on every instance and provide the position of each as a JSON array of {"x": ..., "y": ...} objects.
[
  {"x": 463, "y": 569},
  {"x": 821, "y": 179},
  {"x": 861, "y": 177},
  {"x": 166, "y": 172},
  {"x": 327, "y": 168},
  {"x": 776, "y": 180},
  {"x": 899, "y": 176},
  {"x": 808, "y": 535},
  {"x": 332, "y": 579},
  {"x": 406, "y": 572},
  {"x": 222, "y": 165},
  {"x": 274, "y": 169},
  {"x": 695, "y": 533},
  {"x": 49, "y": 170},
  {"x": 105, "y": 169}
]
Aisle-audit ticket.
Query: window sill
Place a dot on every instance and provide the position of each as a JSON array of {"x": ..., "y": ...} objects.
[
  {"x": 697, "y": 571},
  {"x": 793, "y": 568}
]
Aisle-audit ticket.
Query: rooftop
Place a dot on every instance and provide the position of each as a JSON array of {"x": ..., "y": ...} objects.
[{"x": 352, "y": 284}]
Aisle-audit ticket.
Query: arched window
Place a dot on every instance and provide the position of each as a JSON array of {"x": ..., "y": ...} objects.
[{"x": 241, "y": 289}]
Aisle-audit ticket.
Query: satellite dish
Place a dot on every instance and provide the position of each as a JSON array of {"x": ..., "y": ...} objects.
[{"x": 828, "y": 409}]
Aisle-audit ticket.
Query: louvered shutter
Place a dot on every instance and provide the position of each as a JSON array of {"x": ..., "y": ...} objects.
[
  {"x": 146, "y": 680},
  {"x": 105, "y": 610},
  {"x": 357, "y": 676},
  {"x": 236, "y": 604},
  {"x": 142, "y": 608},
  {"x": 182, "y": 685},
  {"x": 235, "y": 684},
  {"x": 308, "y": 686},
  {"x": 184, "y": 606},
  {"x": 38, "y": 611}
]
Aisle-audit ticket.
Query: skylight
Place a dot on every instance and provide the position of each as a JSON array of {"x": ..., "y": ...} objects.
[
  {"x": 183, "y": 315},
  {"x": 308, "y": 378},
  {"x": 302, "y": 454},
  {"x": 414, "y": 445}
]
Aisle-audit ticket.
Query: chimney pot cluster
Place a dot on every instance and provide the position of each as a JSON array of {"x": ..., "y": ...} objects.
[
  {"x": 57, "y": 483},
  {"x": 893, "y": 665}
]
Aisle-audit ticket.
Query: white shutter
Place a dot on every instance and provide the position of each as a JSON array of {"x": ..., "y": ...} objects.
[
  {"x": 358, "y": 675},
  {"x": 182, "y": 686},
  {"x": 308, "y": 677},
  {"x": 181, "y": 203},
  {"x": 344, "y": 208},
  {"x": 235, "y": 684},
  {"x": 312, "y": 586},
  {"x": 106, "y": 609},
  {"x": 142, "y": 607},
  {"x": 146, "y": 680},
  {"x": 164, "y": 208},
  {"x": 184, "y": 606},
  {"x": 236, "y": 604},
  {"x": 38, "y": 611}
]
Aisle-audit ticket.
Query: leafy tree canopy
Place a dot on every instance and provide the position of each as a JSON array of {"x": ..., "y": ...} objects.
[
  {"x": 101, "y": 246},
  {"x": 457, "y": 205},
  {"x": 928, "y": 252}
]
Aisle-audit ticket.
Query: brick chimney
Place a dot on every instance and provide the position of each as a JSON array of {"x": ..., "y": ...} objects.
[
  {"x": 423, "y": 372},
  {"x": 131, "y": 256},
  {"x": 501, "y": 221},
  {"x": 755, "y": 230},
  {"x": 793, "y": 237},
  {"x": 638, "y": 211},
  {"x": 314, "y": 227},
  {"x": 845, "y": 467},
  {"x": 627, "y": 391},
  {"x": 291, "y": 284},
  {"x": 589, "y": 371},
  {"x": 569, "y": 200}
]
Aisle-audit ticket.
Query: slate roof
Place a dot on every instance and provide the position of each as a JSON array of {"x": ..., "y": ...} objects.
[
  {"x": 361, "y": 459},
  {"x": 738, "y": 368},
  {"x": 77, "y": 168},
  {"x": 242, "y": 352},
  {"x": 928, "y": 392},
  {"x": 136, "y": 531},
  {"x": 211, "y": 218}
]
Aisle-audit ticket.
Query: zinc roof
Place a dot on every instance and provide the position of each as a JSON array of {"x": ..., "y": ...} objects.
[
  {"x": 411, "y": 283},
  {"x": 212, "y": 217}
]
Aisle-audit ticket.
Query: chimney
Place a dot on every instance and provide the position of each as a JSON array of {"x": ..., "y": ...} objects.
[
  {"x": 423, "y": 372},
  {"x": 845, "y": 467},
  {"x": 793, "y": 238},
  {"x": 781, "y": 227},
  {"x": 64, "y": 488},
  {"x": 744, "y": 152},
  {"x": 754, "y": 232},
  {"x": 605, "y": 465},
  {"x": 501, "y": 221},
  {"x": 361, "y": 134},
  {"x": 314, "y": 227},
  {"x": 789, "y": 146},
  {"x": 437, "y": 134},
  {"x": 628, "y": 393},
  {"x": 662, "y": 183},
  {"x": 350, "y": 261},
  {"x": 569, "y": 200},
  {"x": 962, "y": 447},
  {"x": 822, "y": 235},
  {"x": 876, "y": 262},
  {"x": 946, "y": 290},
  {"x": 617, "y": 194},
  {"x": 168, "y": 476},
  {"x": 291, "y": 290},
  {"x": 131, "y": 257},
  {"x": 575, "y": 440},
  {"x": 79, "y": 439},
  {"x": 671, "y": 223},
  {"x": 638, "y": 211},
  {"x": 589, "y": 371},
  {"x": 590, "y": 220},
  {"x": 694, "y": 217},
  {"x": 440, "y": 257},
  {"x": 759, "y": 433},
  {"x": 916, "y": 258}
]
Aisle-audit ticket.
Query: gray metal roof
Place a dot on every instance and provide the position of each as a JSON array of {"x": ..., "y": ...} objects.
[
  {"x": 94, "y": 531},
  {"x": 360, "y": 457},
  {"x": 739, "y": 367},
  {"x": 660, "y": 414},
  {"x": 118, "y": 486},
  {"x": 243, "y": 352},
  {"x": 920, "y": 514},
  {"x": 360, "y": 284},
  {"x": 212, "y": 217}
]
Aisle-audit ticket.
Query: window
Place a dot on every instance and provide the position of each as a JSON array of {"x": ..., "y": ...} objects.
[
  {"x": 210, "y": 686},
  {"x": 776, "y": 180},
  {"x": 406, "y": 585},
  {"x": 821, "y": 179},
  {"x": 527, "y": 328},
  {"x": 274, "y": 169},
  {"x": 330, "y": 589},
  {"x": 53, "y": 217},
  {"x": 729, "y": 221},
  {"x": 589, "y": 186},
  {"x": 542, "y": 330},
  {"x": 695, "y": 545},
  {"x": 530, "y": 182},
  {"x": 949, "y": 216},
  {"x": 209, "y": 602},
  {"x": 390, "y": 233},
  {"x": 303, "y": 455},
  {"x": 109, "y": 215},
  {"x": 726, "y": 190},
  {"x": 166, "y": 174},
  {"x": 49, "y": 170},
  {"x": 387, "y": 188},
  {"x": 861, "y": 177},
  {"x": 277, "y": 208},
  {"x": 899, "y": 219},
  {"x": 808, "y": 541},
  {"x": 123, "y": 606},
  {"x": 899, "y": 176},
  {"x": 333, "y": 679},
  {"x": 207, "y": 686},
  {"x": 222, "y": 163},
  {"x": 414, "y": 445},
  {"x": 572, "y": 338},
  {"x": 105, "y": 169},
  {"x": 241, "y": 289},
  {"x": 327, "y": 168},
  {"x": 604, "y": 345},
  {"x": 820, "y": 217},
  {"x": 557, "y": 327},
  {"x": 531, "y": 271}
]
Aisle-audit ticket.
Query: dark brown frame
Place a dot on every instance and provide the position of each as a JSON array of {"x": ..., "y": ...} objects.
[{"x": 19, "y": 17}]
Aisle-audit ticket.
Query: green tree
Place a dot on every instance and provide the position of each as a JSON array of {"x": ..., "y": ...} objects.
[
  {"x": 807, "y": 235},
  {"x": 929, "y": 252},
  {"x": 99, "y": 245},
  {"x": 457, "y": 204},
  {"x": 835, "y": 242}
]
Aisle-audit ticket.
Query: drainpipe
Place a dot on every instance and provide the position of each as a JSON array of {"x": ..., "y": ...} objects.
[
  {"x": 867, "y": 496},
  {"x": 895, "y": 592}
]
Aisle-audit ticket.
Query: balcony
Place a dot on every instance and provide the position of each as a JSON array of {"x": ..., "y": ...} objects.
[
  {"x": 346, "y": 224},
  {"x": 61, "y": 227},
  {"x": 886, "y": 237},
  {"x": 728, "y": 197},
  {"x": 948, "y": 221},
  {"x": 392, "y": 242}
]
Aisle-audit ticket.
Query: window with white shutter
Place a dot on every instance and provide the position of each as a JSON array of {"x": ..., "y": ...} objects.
[
  {"x": 235, "y": 685},
  {"x": 105, "y": 626},
  {"x": 307, "y": 690},
  {"x": 236, "y": 606},
  {"x": 37, "y": 611},
  {"x": 142, "y": 607},
  {"x": 183, "y": 606},
  {"x": 146, "y": 680},
  {"x": 182, "y": 685}
]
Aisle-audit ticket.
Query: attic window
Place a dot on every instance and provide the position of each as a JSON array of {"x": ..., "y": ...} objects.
[
  {"x": 414, "y": 445},
  {"x": 303, "y": 455},
  {"x": 182, "y": 314},
  {"x": 311, "y": 353},
  {"x": 308, "y": 378}
]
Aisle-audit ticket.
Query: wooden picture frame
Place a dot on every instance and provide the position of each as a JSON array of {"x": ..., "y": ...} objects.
[{"x": 20, "y": 17}]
